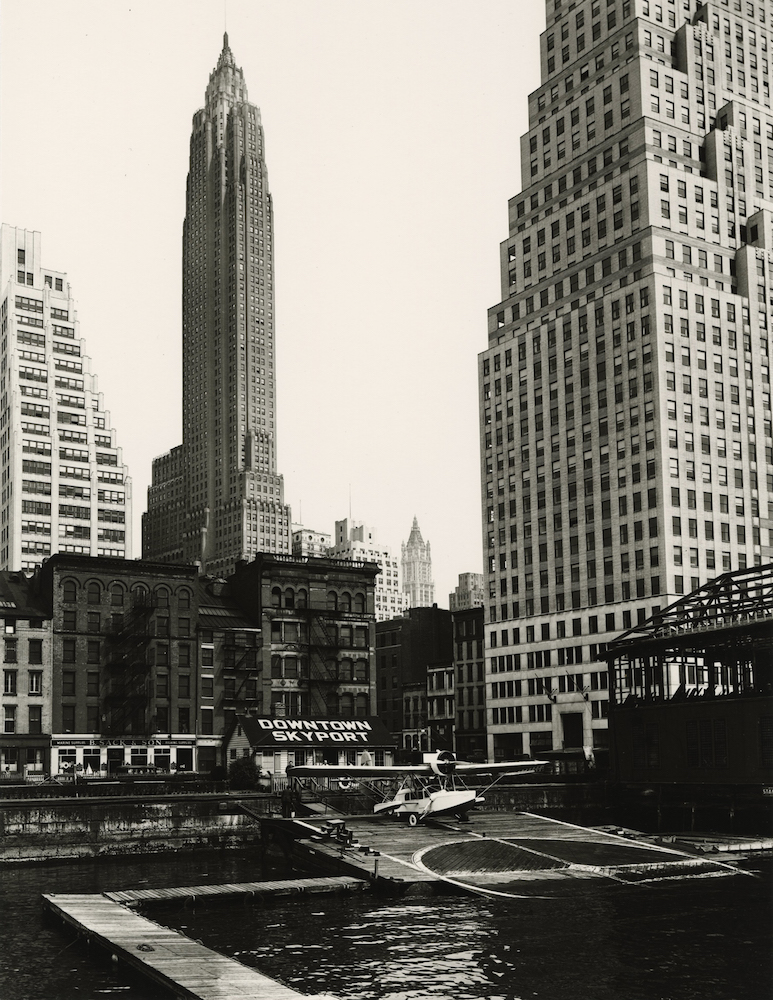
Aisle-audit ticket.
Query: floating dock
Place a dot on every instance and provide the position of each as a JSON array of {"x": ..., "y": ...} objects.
[
  {"x": 506, "y": 853},
  {"x": 169, "y": 958}
]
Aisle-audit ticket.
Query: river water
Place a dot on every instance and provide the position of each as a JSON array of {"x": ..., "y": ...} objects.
[{"x": 699, "y": 939}]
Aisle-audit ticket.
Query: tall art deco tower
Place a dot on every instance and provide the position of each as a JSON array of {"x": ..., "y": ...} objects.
[
  {"x": 626, "y": 438},
  {"x": 217, "y": 498}
]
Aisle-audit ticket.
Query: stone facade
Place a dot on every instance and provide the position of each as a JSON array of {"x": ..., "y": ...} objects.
[
  {"x": 232, "y": 502},
  {"x": 64, "y": 485},
  {"x": 625, "y": 422}
]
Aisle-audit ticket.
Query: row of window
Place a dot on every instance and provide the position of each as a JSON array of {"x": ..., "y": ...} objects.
[{"x": 120, "y": 593}]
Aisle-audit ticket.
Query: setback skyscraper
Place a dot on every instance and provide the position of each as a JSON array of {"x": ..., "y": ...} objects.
[
  {"x": 218, "y": 498},
  {"x": 64, "y": 485},
  {"x": 625, "y": 396}
]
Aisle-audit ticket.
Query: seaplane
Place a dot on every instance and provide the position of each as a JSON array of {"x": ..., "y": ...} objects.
[{"x": 421, "y": 791}]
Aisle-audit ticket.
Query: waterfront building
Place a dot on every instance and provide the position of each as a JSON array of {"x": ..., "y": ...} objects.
[
  {"x": 416, "y": 567},
  {"x": 228, "y": 498},
  {"x": 64, "y": 485},
  {"x": 124, "y": 667},
  {"x": 26, "y": 694},
  {"x": 355, "y": 540},
  {"x": 468, "y": 592},
  {"x": 406, "y": 647},
  {"x": 306, "y": 542},
  {"x": 317, "y": 624},
  {"x": 691, "y": 716},
  {"x": 470, "y": 686},
  {"x": 273, "y": 743},
  {"x": 625, "y": 415}
]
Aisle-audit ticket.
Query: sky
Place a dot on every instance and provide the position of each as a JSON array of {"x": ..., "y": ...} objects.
[{"x": 392, "y": 145}]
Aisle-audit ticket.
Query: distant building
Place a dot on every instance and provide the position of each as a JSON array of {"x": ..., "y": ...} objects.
[
  {"x": 306, "y": 542},
  {"x": 441, "y": 709},
  {"x": 468, "y": 593},
  {"x": 406, "y": 648},
  {"x": 231, "y": 504},
  {"x": 26, "y": 694},
  {"x": 355, "y": 540},
  {"x": 416, "y": 565},
  {"x": 316, "y": 616},
  {"x": 64, "y": 485},
  {"x": 470, "y": 684}
]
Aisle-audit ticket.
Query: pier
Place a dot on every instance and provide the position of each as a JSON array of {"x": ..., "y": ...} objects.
[
  {"x": 507, "y": 853},
  {"x": 169, "y": 958}
]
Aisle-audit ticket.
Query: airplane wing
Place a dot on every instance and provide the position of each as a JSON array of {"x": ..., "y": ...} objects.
[
  {"x": 402, "y": 770},
  {"x": 501, "y": 767},
  {"x": 353, "y": 771}
]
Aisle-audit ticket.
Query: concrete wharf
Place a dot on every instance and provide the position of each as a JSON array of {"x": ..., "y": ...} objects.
[{"x": 503, "y": 852}]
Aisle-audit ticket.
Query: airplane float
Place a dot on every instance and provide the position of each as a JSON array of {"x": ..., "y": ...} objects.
[{"x": 424, "y": 791}]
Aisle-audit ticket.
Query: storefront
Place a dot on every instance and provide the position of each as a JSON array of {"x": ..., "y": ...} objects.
[
  {"x": 93, "y": 755},
  {"x": 275, "y": 743},
  {"x": 24, "y": 756}
]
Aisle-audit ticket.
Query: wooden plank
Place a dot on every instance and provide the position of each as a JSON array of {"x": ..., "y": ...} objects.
[
  {"x": 280, "y": 887},
  {"x": 162, "y": 955}
]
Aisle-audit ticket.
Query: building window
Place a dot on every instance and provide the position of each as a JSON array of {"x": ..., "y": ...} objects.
[
  {"x": 35, "y": 719},
  {"x": 9, "y": 719}
]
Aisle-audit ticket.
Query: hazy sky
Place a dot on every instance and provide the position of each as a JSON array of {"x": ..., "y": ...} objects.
[{"x": 392, "y": 145}]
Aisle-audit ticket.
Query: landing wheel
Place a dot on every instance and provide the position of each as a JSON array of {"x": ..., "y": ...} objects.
[
  {"x": 463, "y": 817},
  {"x": 413, "y": 819}
]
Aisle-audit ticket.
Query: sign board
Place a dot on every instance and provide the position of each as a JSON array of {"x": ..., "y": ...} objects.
[{"x": 266, "y": 733}]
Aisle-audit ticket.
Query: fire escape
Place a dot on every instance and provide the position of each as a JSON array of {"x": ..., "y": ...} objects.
[
  {"x": 126, "y": 682},
  {"x": 241, "y": 691}
]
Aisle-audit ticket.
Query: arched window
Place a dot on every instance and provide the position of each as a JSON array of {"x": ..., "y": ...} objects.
[
  {"x": 361, "y": 670},
  {"x": 289, "y": 597},
  {"x": 69, "y": 591},
  {"x": 362, "y": 705},
  {"x": 140, "y": 596},
  {"x": 276, "y": 597},
  {"x": 346, "y": 670},
  {"x": 184, "y": 600},
  {"x": 161, "y": 595},
  {"x": 301, "y": 599},
  {"x": 346, "y": 601},
  {"x": 93, "y": 593},
  {"x": 331, "y": 670},
  {"x": 332, "y": 600},
  {"x": 331, "y": 701},
  {"x": 346, "y": 704},
  {"x": 359, "y": 604},
  {"x": 116, "y": 595}
]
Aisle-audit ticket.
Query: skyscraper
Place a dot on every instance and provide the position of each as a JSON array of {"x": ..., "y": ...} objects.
[
  {"x": 355, "y": 540},
  {"x": 416, "y": 567},
  {"x": 624, "y": 395},
  {"x": 218, "y": 498},
  {"x": 64, "y": 485}
]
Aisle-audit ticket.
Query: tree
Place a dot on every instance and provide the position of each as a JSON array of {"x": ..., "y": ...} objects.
[{"x": 244, "y": 773}]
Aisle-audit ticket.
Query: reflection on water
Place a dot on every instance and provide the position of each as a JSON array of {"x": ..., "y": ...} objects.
[{"x": 684, "y": 940}]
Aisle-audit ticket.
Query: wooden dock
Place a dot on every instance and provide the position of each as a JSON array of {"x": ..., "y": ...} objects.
[
  {"x": 169, "y": 958},
  {"x": 503, "y": 852},
  {"x": 259, "y": 890}
]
